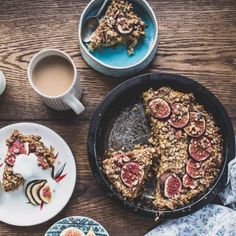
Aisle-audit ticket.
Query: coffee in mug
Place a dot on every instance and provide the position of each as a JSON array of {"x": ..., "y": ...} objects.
[{"x": 53, "y": 75}]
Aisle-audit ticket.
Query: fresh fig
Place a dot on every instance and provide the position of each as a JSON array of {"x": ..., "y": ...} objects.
[
  {"x": 28, "y": 192},
  {"x": 31, "y": 148},
  {"x": 180, "y": 115},
  {"x": 200, "y": 148},
  {"x": 194, "y": 169},
  {"x": 160, "y": 108},
  {"x": 72, "y": 231},
  {"x": 189, "y": 182},
  {"x": 197, "y": 124},
  {"x": 17, "y": 148},
  {"x": 173, "y": 186},
  {"x": 45, "y": 193},
  {"x": 132, "y": 174},
  {"x": 35, "y": 191},
  {"x": 10, "y": 159}
]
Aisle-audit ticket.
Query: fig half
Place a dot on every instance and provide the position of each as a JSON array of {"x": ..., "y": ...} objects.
[
  {"x": 200, "y": 148},
  {"x": 72, "y": 231},
  {"x": 194, "y": 169},
  {"x": 189, "y": 182},
  {"x": 197, "y": 124},
  {"x": 132, "y": 174},
  {"x": 180, "y": 115},
  {"x": 17, "y": 148},
  {"x": 10, "y": 160},
  {"x": 160, "y": 108},
  {"x": 173, "y": 186},
  {"x": 45, "y": 193}
]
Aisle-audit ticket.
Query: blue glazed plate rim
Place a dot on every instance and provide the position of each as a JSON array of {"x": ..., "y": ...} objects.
[
  {"x": 152, "y": 14},
  {"x": 76, "y": 218}
]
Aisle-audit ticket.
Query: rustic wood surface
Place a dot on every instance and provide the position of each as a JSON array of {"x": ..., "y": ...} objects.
[{"x": 196, "y": 39}]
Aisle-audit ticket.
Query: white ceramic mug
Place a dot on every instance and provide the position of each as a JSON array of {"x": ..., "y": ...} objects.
[{"x": 70, "y": 98}]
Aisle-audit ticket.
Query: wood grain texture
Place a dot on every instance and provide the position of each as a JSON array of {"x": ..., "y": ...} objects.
[{"x": 196, "y": 39}]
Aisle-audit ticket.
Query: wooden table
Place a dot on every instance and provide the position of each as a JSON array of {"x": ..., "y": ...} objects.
[{"x": 196, "y": 39}]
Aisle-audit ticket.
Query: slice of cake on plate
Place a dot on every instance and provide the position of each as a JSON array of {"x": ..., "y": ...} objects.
[
  {"x": 119, "y": 25},
  {"x": 128, "y": 171}
]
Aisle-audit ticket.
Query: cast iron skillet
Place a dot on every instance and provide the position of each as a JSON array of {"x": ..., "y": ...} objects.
[{"x": 120, "y": 121}]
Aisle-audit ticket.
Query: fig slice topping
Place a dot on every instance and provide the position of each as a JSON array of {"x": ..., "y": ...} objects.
[
  {"x": 17, "y": 148},
  {"x": 189, "y": 182},
  {"x": 132, "y": 174},
  {"x": 194, "y": 169},
  {"x": 172, "y": 187},
  {"x": 159, "y": 108},
  {"x": 180, "y": 115},
  {"x": 200, "y": 148},
  {"x": 123, "y": 26},
  {"x": 32, "y": 148},
  {"x": 197, "y": 124},
  {"x": 10, "y": 159}
]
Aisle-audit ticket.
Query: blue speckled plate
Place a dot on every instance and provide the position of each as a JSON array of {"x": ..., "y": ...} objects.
[
  {"x": 118, "y": 57},
  {"x": 80, "y": 222}
]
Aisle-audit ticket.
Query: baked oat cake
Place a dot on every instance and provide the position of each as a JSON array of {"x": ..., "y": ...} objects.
[
  {"x": 120, "y": 25},
  {"x": 128, "y": 171},
  {"x": 24, "y": 144},
  {"x": 188, "y": 143}
]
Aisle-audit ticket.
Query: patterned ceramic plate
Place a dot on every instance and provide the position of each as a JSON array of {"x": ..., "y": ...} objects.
[
  {"x": 14, "y": 206},
  {"x": 80, "y": 222}
]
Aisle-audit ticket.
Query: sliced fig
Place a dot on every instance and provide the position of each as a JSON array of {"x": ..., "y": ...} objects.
[
  {"x": 194, "y": 169},
  {"x": 45, "y": 193},
  {"x": 17, "y": 148},
  {"x": 34, "y": 191},
  {"x": 123, "y": 27},
  {"x": 132, "y": 174},
  {"x": 200, "y": 148},
  {"x": 197, "y": 124},
  {"x": 162, "y": 180},
  {"x": 180, "y": 115},
  {"x": 119, "y": 160},
  {"x": 160, "y": 108},
  {"x": 173, "y": 186},
  {"x": 31, "y": 148},
  {"x": 72, "y": 231},
  {"x": 28, "y": 191},
  {"x": 189, "y": 182},
  {"x": 10, "y": 160}
]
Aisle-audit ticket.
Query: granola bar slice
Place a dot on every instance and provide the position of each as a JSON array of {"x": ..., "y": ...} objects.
[
  {"x": 10, "y": 180},
  {"x": 17, "y": 144},
  {"x": 128, "y": 171},
  {"x": 120, "y": 25}
]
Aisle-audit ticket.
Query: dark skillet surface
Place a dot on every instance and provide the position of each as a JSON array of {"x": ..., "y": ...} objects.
[{"x": 120, "y": 121}]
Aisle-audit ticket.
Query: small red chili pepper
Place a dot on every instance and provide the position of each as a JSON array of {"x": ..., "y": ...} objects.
[
  {"x": 60, "y": 178},
  {"x": 1, "y": 164}
]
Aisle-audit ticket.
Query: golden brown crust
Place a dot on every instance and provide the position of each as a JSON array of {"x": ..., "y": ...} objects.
[
  {"x": 172, "y": 146},
  {"x": 141, "y": 154},
  {"x": 107, "y": 35}
]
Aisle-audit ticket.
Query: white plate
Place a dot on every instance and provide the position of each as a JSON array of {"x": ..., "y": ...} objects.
[{"x": 14, "y": 208}]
